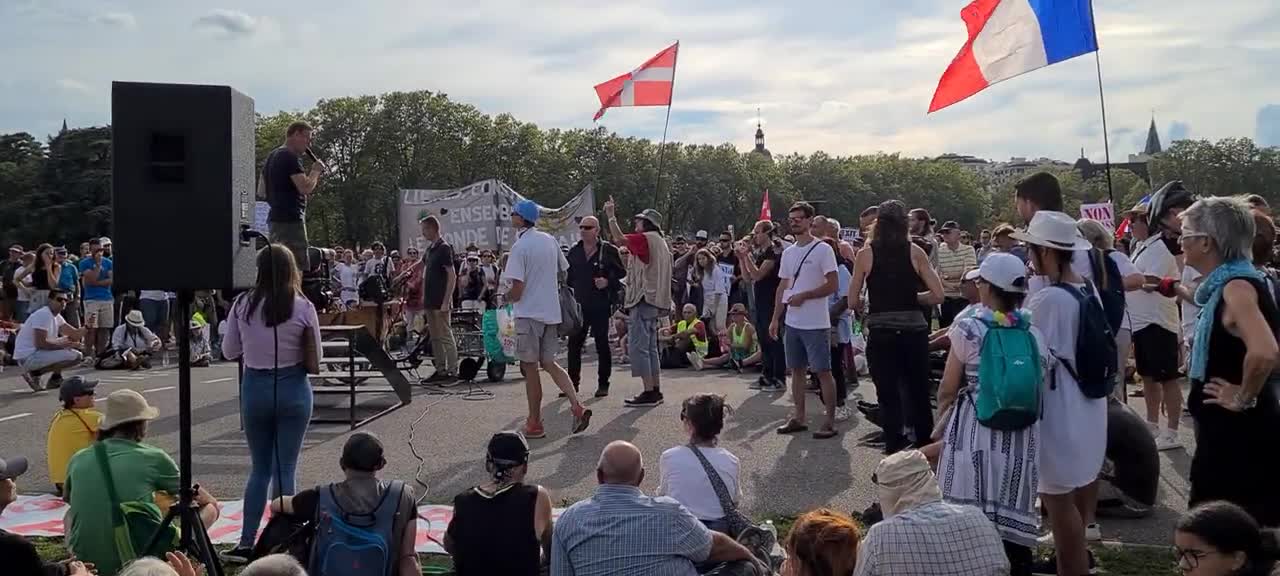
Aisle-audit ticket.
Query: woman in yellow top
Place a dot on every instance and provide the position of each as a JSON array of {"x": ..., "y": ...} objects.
[{"x": 74, "y": 426}]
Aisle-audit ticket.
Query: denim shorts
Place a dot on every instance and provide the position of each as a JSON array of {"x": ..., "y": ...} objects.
[{"x": 807, "y": 349}]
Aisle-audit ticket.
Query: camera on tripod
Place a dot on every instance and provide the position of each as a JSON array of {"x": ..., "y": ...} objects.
[{"x": 317, "y": 283}]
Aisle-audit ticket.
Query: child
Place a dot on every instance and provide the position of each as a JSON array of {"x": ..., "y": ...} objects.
[{"x": 74, "y": 426}]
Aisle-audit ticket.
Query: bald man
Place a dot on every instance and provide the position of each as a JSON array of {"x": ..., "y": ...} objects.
[
  {"x": 595, "y": 274},
  {"x": 828, "y": 227},
  {"x": 620, "y": 531}
]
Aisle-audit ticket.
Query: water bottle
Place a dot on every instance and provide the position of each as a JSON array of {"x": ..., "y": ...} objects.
[
  {"x": 164, "y": 358},
  {"x": 769, "y": 527}
]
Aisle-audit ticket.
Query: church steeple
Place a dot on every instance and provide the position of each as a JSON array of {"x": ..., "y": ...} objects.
[
  {"x": 1153, "y": 140},
  {"x": 760, "y": 149},
  {"x": 64, "y": 126}
]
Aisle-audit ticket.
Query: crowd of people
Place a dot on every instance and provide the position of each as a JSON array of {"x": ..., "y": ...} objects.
[{"x": 1032, "y": 326}]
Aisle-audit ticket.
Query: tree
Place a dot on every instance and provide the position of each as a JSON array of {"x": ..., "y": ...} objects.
[{"x": 1229, "y": 167}]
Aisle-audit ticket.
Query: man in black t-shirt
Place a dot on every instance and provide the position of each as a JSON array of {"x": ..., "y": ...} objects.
[
  {"x": 440, "y": 280},
  {"x": 763, "y": 271},
  {"x": 286, "y": 188}
]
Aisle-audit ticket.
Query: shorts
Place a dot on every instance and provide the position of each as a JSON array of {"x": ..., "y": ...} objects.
[
  {"x": 807, "y": 349},
  {"x": 41, "y": 359},
  {"x": 1156, "y": 353},
  {"x": 536, "y": 341},
  {"x": 105, "y": 310}
]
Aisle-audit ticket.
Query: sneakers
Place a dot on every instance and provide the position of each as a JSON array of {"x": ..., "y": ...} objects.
[
  {"x": 54, "y": 383},
  {"x": 534, "y": 430},
  {"x": 440, "y": 377},
  {"x": 1049, "y": 566},
  {"x": 581, "y": 419},
  {"x": 695, "y": 359},
  {"x": 1092, "y": 533},
  {"x": 602, "y": 391},
  {"x": 240, "y": 555},
  {"x": 843, "y": 413},
  {"x": 758, "y": 384},
  {"x": 774, "y": 385},
  {"x": 33, "y": 380},
  {"x": 644, "y": 399},
  {"x": 1168, "y": 441}
]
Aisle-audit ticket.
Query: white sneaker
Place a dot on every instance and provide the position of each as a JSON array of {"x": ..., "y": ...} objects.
[
  {"x": 1092, "y": 533},
  {"x": 843, "y": 413},
  {"x": 1168, "y": 441}
]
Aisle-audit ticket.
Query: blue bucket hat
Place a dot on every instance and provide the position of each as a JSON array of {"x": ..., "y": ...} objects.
[{"x": 527, "y": 209}]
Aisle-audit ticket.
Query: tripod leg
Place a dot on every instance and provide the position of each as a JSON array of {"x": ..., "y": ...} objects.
[
  {"x": 154, "y": 542},
  {"x": 201, "y": 546}
]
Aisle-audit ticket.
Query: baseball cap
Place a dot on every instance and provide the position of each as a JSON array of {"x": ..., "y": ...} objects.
[
  {"x": 104, "y": 241},
  {"x": 12, "y": 467},
  {"x": 971, "y": 275},
  {"x": 508, "y": 448},
  {"x": 16, "y": 248},
  {"x": 949, "y": 225},
  {"x": 700, "y": 235},
  {"x": 76, "y": 386},
  {"x": 1002, "y": 230},
  {"x": 1004, "y": 271},
  {"x": 362, "y": 451},
  {"x": 527, "y": 209}
]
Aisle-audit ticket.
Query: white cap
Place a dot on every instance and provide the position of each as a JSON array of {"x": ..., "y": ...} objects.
[
  {"x": 1004, "y": 271},
  {"x": 971, "y": 275},
  {"x": 701, "y": 235}
]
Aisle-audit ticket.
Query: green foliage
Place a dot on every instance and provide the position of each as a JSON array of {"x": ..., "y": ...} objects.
[{"x": 376, "y": 145}]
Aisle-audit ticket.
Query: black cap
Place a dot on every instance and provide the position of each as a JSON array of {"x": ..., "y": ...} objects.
[
  {"x": 13, "y": 467},
  {"x": 76, "y": 386},
  {"x": 508, "y": 448},
  {"x": 363, "y": 451},
  {"x": 949, "y": 225}
]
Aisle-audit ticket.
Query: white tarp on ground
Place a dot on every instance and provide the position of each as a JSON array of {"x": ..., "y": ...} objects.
[
  {"x": 42, "y": 516},
  {"x": 480, "y": 214}
]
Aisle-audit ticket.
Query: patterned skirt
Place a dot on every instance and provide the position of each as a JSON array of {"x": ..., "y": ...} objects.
[{"x": 992, "y": 470}]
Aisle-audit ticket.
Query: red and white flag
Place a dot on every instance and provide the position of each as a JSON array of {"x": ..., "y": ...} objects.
[
  {"x": 648, "y": 85},
  {"x": 765, "y": 212}
]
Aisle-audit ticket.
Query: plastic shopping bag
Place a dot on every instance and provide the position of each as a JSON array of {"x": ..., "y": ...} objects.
[{"x": 499, "y": 327}]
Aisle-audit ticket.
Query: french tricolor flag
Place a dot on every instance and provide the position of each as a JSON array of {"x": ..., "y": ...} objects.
[{"x": 1010, "y": 37}]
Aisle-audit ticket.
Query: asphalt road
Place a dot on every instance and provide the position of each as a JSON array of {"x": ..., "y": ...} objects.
[{"x": 782, "y": 474}]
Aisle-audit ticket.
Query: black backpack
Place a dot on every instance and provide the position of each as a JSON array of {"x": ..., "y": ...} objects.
[
  {"x": 1095, "y": 367},
  {"x": 1110, "y": 285}
]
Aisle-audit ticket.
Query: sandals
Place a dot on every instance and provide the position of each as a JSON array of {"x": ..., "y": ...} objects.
[
  {"x": 792, "y": 427},
  {"x": 825, "y": 433}
]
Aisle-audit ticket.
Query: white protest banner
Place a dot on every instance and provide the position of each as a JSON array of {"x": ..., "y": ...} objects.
[
  {"x": 1102, "y": 212},
  {"x": 260, "y": 212},
  {"x": 848, "y": 234},
  {"x": 480, "y": 214}
]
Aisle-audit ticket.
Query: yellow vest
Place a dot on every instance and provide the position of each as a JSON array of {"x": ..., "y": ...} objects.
[{"x": 698, "y": 344}]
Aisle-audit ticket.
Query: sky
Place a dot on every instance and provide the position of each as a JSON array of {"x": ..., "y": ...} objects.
[{"x": 842, "y": 76}]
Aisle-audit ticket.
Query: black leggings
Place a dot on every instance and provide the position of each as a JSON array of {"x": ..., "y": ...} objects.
[
  {"x": 899, "y": 362},
  {"x": 837, "y": 372},
  {"x": 1020, "y": 558}
]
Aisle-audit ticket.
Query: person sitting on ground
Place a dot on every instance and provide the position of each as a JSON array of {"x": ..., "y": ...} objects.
[
  {"x": 142, "y": 475},
  {"x": 274, "y": 565},
  {"x": 687, "y": 337},
  {"x": 821, "y": 542},
  {"x": 619, "y": 531},
  {"x": 198, "y": 337},
  {"x": 74, "y": 426},
  {"x": 20, "y": 556},
  {"x": 744, "y": 348},
  {"x": 503, "y": 511},
  {"x": 132, "y": 345},
  {"x": 684, "y": 472},
  {"x": 47, "y": 343},
  {"x": 921, "y": 534},
  {"x": 941, "y": 338},
  {"x": 1218, "y": 538},
  {"x": 362, "y": 492}
]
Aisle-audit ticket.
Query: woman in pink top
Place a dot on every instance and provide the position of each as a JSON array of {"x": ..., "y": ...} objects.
[{"x": 274, "y": 329}]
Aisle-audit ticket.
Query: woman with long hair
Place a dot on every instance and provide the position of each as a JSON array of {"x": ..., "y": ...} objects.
[
  {"x": 1218, "y": 538},
  {"x": 44, "y": 276},
  {"x": 900, "y": 281},
  {"x": 1073, "y": 427},
  {"x": 706, "y": 273},
  {"x": 1000, "y": 482},
  {"x": 274, "y": 329}
]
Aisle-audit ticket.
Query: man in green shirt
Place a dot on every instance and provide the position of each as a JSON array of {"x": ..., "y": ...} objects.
[{"x": 141, "y": 473}]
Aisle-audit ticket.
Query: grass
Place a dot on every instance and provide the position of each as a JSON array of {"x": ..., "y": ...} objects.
[{"x": 1113, "y": 560}]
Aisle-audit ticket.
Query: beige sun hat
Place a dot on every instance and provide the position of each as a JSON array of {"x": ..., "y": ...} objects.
[{"x": 125, "y": 406}]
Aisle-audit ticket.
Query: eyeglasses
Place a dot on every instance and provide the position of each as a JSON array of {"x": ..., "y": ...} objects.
[
  {"x": 1189, "y": 559},
  {"x": 1190, "y": 235}
]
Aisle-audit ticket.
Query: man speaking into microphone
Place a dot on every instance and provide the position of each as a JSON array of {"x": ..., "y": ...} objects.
[{"x": 287, "y": 186}]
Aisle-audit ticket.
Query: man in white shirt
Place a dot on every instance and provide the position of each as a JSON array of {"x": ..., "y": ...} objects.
[
  {"x": 533, "y": 268},
  {"x": 808, "y": 277},
  {"x": 46, "y": 343},
  {"x": 345, "y": 275}
]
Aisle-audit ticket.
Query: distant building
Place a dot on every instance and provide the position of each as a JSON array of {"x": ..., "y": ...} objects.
[
  {"x": 760, "y": 149},
  {"x": 1137, "y": 162},
  {"x": 998, "y": 174}
]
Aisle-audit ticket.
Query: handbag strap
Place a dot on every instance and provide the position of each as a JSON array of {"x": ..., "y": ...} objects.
[
  {"x": 100, "y": 451},
  {"x": 717, "y": 483}
]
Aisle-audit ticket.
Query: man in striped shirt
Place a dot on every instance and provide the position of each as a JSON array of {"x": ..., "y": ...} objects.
[{"x": 954, "y": 259}]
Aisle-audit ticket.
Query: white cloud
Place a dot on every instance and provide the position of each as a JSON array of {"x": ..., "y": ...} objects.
[
  {"x": 229, "y": 22},
  {"x": 116, "y": 19},
  {"x": 75, "y": 86}
]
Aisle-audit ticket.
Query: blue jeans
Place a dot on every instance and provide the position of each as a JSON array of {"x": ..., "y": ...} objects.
[
  {"x": 155, "y": 314},
  {"x": 271, "y": 425},
  {"x": 642, "y": 340}
]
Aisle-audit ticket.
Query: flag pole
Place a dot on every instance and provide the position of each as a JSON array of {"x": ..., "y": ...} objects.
[
  {"x": 662, "y": 148},
  {"x": 1106, "y": 144}
]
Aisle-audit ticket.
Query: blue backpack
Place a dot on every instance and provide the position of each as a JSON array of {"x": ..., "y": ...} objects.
[
  {"x": 355, "y": 543},
  {"x": 1009, "y": 377},
  {"x": 1095, "y": 366}
]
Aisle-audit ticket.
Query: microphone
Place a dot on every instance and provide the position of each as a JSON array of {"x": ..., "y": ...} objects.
[{"x": 312, "y": 156}]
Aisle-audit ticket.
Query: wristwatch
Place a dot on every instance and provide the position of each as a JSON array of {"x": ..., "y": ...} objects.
[{"x": 1247, "y": 404}]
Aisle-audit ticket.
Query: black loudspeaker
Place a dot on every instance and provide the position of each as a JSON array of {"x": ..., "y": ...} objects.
[{"x": 182, "y": 186}]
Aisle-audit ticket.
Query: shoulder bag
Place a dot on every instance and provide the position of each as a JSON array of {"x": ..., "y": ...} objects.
[{"x": 733, "y": 518}]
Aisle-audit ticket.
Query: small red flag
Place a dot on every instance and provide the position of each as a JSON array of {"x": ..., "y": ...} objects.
[
  {"x": 648, "y": 85},
  {"x": 765, "y": 212}
]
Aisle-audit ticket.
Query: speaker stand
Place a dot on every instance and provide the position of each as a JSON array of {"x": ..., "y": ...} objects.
[{"x": 195, "y": 540}]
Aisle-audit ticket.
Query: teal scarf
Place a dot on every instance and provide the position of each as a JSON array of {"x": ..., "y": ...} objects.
[{"x": 1207, "y": 297}]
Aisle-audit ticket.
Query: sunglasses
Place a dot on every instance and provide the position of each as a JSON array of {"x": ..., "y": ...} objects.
[
  {"x": 60, "y": 300},
  {"x": 586, "y": 227}
]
